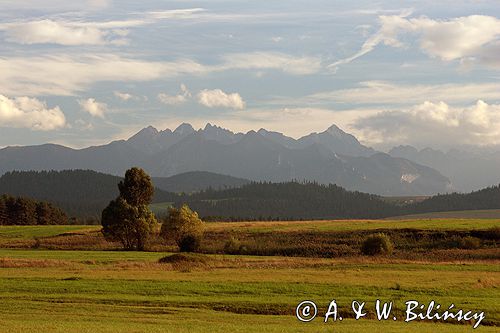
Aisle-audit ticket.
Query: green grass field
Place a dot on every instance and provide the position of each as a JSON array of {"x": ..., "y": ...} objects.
[
  {"x": 117, "y": 291},
  {"x": 353, "y": 225},
  {"x": 32, "y": 231}
]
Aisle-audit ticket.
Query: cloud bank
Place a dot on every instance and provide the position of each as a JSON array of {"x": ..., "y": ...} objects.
[
  {"x": 383, "y": 92},
  {"x": 25, "y": 112},
  {"x": 48, "y": 75},
  {"x": 473, "y": 38},
  {"x": 429, "y": 123}
]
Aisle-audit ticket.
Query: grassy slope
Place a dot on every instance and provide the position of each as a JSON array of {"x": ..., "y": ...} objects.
[{"x": 105, "y": 291}]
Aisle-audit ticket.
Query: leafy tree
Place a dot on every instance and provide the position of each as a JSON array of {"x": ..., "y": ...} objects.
[
  {"x": 137, "y": 188},
  {"x": 127, "y": 219},
  {"x": 127, "y": 224},
  {"x": 184, "y": 227}
]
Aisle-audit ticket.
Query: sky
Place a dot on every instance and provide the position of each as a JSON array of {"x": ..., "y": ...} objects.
[{"x": 82, "y": 73}]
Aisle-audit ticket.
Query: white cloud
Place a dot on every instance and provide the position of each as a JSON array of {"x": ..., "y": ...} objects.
[
  {"x": 434, "y": 124},
  {"x": 125, "y": 96},
  {"x": 56, "y": 5},
  {"x": 218, "y": 98},
  {"x": 94, "y": 108},
  {"x": 26, "y": 112},
  {"x": 474, "y": 37},
  {"x": 175, "y": 13},
  {"x": 382, "y": 92},
  {"x": 272, "y": 60},
  {"x": 67, "y": 74},
  {"x": 76, "y": 32},
  {"x": 181, "y": 98},
  {"x": 62, "y": 33}
]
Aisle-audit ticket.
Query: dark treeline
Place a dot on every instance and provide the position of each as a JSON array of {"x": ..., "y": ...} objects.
[
  {"x": 82, "y": 194},
  {"x": 24, "y": 211},
  {"x": 487, "y": 198},
  {"x": 291, "y": 200}
]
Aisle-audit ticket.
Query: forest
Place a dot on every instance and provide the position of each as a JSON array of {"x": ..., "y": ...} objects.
[{"x": 25, "y": 211}]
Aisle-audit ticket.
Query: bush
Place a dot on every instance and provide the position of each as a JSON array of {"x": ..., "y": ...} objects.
[
  {"x": 184, "y": 227},
  {"x": 377, "y": 244},
  {"x": 470, "y": 243},
  {"x": 190, "y": 243},
  {"x": 232, "y": 246}
]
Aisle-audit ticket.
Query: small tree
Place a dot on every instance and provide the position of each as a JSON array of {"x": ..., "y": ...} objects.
[
  {"x": 127, "y": 219},
  {"x": 184, "y": 227}
]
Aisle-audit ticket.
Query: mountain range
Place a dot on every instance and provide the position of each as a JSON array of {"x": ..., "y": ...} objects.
[
  {"x": 329, "y": 157},
  {"x": 467, "y": 170}
]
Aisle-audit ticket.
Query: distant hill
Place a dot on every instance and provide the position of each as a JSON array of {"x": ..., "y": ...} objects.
[
  {"x": 293, "y": 200},
  {"x": 195, "y": 181},
  {"x": 487, "y": 198},
  {"x": 287, "y": 201}
]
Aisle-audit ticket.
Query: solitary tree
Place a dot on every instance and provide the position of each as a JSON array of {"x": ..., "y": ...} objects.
[
  {"x": 137, "y": 188},
  {"x": 184, "y": 227},
  {"x": 127, "y": 219}
]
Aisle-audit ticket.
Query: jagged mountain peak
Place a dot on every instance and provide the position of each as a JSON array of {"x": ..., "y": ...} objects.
[
  {"x": 335, "y": 130},
  {"x": 146, "y": 132},
  {"x": 184, "y": 128}
]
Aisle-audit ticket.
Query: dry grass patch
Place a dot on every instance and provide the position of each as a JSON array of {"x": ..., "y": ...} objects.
[{"x": 35, "y": 263}]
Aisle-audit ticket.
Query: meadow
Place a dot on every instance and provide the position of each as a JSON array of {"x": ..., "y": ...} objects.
[{"x": 51, "y": 287}]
